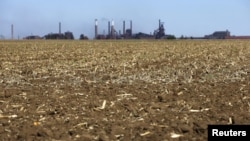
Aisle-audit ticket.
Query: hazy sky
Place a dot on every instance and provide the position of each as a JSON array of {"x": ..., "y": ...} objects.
[{"x": 181, "y": 17}]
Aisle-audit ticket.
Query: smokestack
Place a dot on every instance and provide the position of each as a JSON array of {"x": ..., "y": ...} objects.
[
  {"x": 112, "y": 29},
  {"x": 59, "y": 27},
  {"x": 109, "y": 29},
  {"x": 12, "y": 31},
  {"x": 124, "y": 28},
  {"x": 131, "y": 28},
  {"x": 96, "y": 28}
]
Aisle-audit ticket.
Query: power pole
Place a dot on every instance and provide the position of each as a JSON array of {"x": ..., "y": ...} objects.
[
  {"x": 96, "y": 28},
  {"x": 12, "y": 31}
]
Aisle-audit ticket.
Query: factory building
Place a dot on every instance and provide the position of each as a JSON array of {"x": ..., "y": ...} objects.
[
  {"x": 218, "y": 35},
  {"x": 66, "y": 35},
  {"x": 59, "y": 35},
  {"x": 160, "y": 32},
  {"x": 32, "y": 37}
]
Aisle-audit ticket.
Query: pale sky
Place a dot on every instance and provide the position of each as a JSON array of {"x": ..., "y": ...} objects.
[{"x": 180, "y": 17}]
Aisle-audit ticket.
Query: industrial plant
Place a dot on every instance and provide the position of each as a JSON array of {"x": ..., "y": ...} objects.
[
  {"x": 112, "y": 32},
  {"x": 159, "y": 33},
  {"x": 127, "y": 33}
]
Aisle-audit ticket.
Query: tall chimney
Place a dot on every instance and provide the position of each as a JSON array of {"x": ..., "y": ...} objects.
[
  {"x": 109, "y": 34},
  {"x": 131, "y": 28},
  {"x": 113, "y": 29},
  {"x": 124, "y": 28},
  {"x": 96, "y": 28},
  {"x": 59, "y": 27},
  {"x": 12, "y": 31}
]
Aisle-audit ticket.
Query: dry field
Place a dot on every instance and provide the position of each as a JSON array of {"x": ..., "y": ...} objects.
[{"x": 122, "y": 90}]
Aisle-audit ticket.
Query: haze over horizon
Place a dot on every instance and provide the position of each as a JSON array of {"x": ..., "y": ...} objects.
[{"x": 188, "y": 18}]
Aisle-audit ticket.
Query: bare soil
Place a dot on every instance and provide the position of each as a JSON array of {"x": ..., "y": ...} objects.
[{"x": 122, "y": 90}]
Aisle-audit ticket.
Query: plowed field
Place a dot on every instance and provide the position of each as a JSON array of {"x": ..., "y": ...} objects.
[{"x": 122, "y": 90}]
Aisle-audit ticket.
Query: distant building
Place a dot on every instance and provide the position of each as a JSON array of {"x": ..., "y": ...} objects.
[
  {"x": 66, "y": 35},
  {"x": 160, "y": 32},
  {"x": 83, "y": 37},
  {"x": 141, "y": 35},
  {"x": 69, "y": 35},
  {"x": 218, "y": 35},
  {"x": 238, "y": 37},
  {"x": 101, "y": 36},
  {"x": 32, "y": 37},
  {"x": 128, "y": 34},
  {"x": 54, "y": 36}
]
